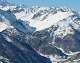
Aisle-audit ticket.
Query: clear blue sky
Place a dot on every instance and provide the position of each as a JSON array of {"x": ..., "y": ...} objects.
[{"x": 75, "y": 4}]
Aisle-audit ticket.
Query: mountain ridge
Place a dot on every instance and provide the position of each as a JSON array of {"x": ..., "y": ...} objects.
[{"x": 50, "y": 31}]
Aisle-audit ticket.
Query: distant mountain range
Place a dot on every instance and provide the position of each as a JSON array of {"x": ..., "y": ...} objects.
[{"x": 39, "y": 34}]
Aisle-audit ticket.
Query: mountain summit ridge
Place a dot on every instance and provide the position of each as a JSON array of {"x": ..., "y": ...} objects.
[{"x": 52, "y": 32}]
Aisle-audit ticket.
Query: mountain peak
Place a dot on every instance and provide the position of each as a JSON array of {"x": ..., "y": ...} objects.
[{"x": 44, "y": 17}]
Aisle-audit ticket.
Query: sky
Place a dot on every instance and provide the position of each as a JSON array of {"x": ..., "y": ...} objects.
[{"x": 74, "y": 4}]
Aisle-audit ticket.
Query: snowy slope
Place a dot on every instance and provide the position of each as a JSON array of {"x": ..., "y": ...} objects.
[{"x": 45, "y": 20}]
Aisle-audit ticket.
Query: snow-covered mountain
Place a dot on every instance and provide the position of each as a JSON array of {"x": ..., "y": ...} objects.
[{"x": 51, "y": 31}]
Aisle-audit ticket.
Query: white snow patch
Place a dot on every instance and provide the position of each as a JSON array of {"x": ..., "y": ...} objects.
[
  {"x": 39, "y": 24},
  {"x": 70, "y": 53},
  {"x": 3, "y": 26},
  {"x": 5, "y": 8},
  {"x": 54, "y": 59},
  {"x": 51, "y": 20},
  {"x": 19, "y": 15}
]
